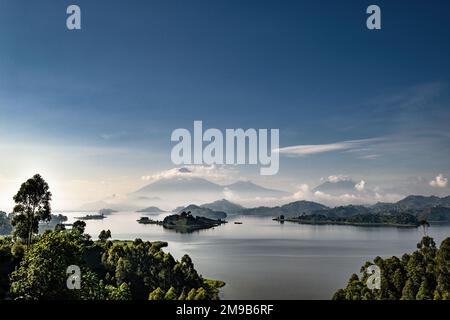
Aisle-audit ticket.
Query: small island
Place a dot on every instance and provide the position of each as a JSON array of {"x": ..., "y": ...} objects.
[
  {"x": 106, "y": 211},
  {"x": 146, "y": 220},
  {"x": 92, "y": 217},
  {"x": 185, "y": 222},
  {"x": 368, "y": 220}
]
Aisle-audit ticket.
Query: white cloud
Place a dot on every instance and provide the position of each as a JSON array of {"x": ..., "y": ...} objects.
[
  {"x": 301, "y": 150},
  {"x": 360, "y": 186},
  {"x": 337, "y": 178},
  {"x": 305, "y": 193},
  {"x": 213, "y": 172},
  {"x": 439, "y": 182}
]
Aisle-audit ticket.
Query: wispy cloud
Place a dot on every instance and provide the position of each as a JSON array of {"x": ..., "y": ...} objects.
[
  {"x": 302, "y": 150},
  {"x": 336, "y": 178}
]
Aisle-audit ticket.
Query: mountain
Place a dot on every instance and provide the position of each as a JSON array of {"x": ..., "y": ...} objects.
[
  {"x": 344, "y": 211},
  {"x": 302, "y": 207},
  {"x": 151, "y": 210},
  {"x": 337, "y": 188},
  {"x": 413, "y": 203},
  {"x": 423, "y": 202},
  {"x": 180, "y": 184},
  {"x": 197, "y": 211},
  {"x": 99, "y": 205},
  {"x": 225, "y": 206},
  {"x": 94, "y": 206},
  {"x": 183, "y": 189},
  {"x": 435, "y": 214},
  {"x": 292, "y": 209},
  {"x": 247, "y": 189}
]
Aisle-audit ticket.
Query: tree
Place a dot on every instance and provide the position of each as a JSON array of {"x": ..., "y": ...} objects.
[
  {"x": 425, "y": 225},
  {"x": 60, "y": 227},
  {"x": 171, "y": 294},
  {"x": 79, "y": 226},
  {"x": 421, "y": 275},
  {"x": 42, "y": 272},
  {"x": 32, "y": 205},
  {"x": 104, "y": 235},
  {"x": 157, "y": 294},
  {"x": 121, "y": 293}
]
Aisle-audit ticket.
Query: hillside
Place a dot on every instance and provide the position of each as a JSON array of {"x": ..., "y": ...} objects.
[
  {"x": 289, "y": 210},
  {"x": 414, "y": 202},
  {"x": 197, "y": 211},
  {"x": 152, "y": 209},
  {"x": 225, "y": 206}
]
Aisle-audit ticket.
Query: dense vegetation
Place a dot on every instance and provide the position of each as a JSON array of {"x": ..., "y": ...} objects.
[
  {"x": 109, "y": 270},
  {"x": 401, "y": 219},
  {"x": 422, "y": 275},
  {"x": 197, "y": 211},
  {"x": 35, "y": 266},
  {"x": 435, "y": 214},
  {"x": 186, "y": 222}
]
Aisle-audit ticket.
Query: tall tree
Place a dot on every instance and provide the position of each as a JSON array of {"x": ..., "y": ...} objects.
[
  {"x": 32, "y": 205},
  {"x": 104, "y": 235}
]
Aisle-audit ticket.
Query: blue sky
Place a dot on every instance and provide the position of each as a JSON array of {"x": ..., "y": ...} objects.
[{"x": 93, "y": 109}]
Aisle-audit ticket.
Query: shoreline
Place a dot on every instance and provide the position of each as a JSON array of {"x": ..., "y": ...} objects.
[{"x": 343, "y": 223}]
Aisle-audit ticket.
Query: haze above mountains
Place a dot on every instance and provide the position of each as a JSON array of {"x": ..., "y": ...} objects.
[{"x": 200, "y": 195}]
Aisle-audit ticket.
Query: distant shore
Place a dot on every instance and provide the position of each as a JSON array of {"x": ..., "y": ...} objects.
[{"x": 346, "y": 223}]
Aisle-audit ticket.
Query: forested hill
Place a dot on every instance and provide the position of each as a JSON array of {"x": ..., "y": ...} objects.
[{"x": 421, "y": 275}]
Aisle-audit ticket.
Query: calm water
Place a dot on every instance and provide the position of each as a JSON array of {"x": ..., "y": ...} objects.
[{"x": 262, "y": 259}]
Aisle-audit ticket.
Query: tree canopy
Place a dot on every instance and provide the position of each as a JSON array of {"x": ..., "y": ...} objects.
[
  {"x": 32, "y": 205},
  {"x": 422, "y": 275}
]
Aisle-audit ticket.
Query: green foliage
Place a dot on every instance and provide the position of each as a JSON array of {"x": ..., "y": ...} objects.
[
  {"x": 156, "y": 294},
  {"x": 147, "y": 269},
  {"x": 122, "y": 292},
  {"x": 171, "y": 294},
  {"x": 422, "y": 275},
  {"x": 401, "y": 219},
  {"x": 10, "y": 256},
  {"x": 120, "y": 270},
  {"x": 42, "y": 272},
  {"x": 104, "y": 235},
  {"x": 109, "y": 270},
  {"x": 32, "y": 205},
  {"x": 79, "y": 226}
]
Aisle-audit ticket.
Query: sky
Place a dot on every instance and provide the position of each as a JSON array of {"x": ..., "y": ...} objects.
[{"x": 92, "y": 110}]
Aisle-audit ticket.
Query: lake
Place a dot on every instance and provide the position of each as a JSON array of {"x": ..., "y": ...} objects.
[{"x": 263, "y": 259}]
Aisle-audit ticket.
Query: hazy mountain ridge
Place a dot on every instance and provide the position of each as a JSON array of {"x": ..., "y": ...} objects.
[
  {"x": 296, "y": 208},
  {"x": 414, "y": 202},
  {"x": 303, "y": 208},
  {"x": 151, "y": 209},
  {"x": 224, "y": 205}
]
